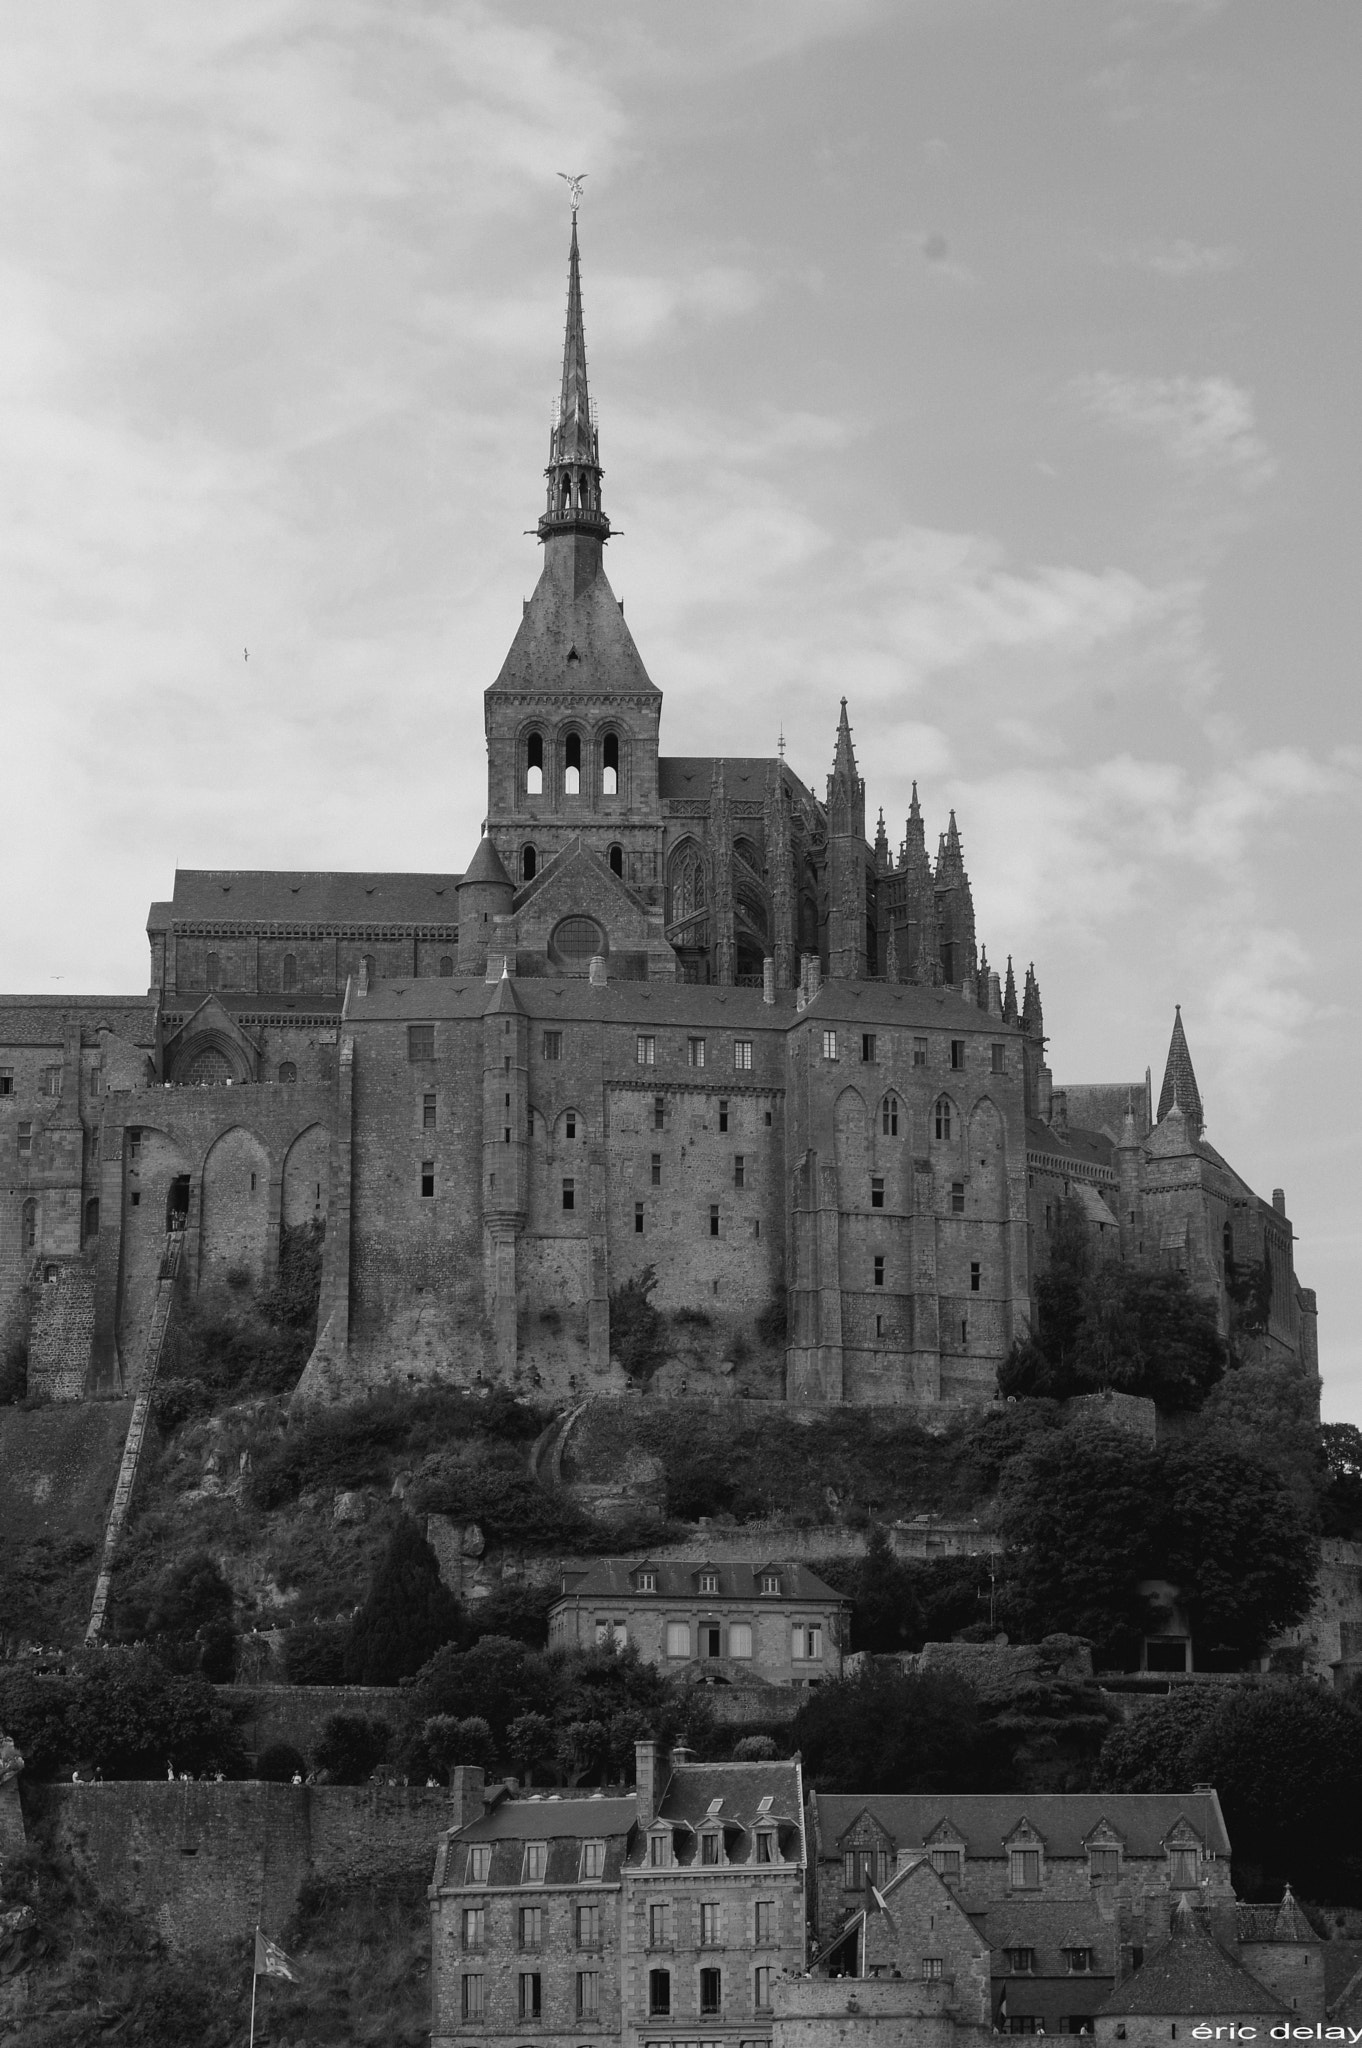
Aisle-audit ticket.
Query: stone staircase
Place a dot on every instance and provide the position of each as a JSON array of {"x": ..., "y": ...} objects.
[{"x": 137, "y": 1428}]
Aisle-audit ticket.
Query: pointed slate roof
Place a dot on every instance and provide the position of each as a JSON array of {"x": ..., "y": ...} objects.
[
  {"x": 574, "y": 440},
  {"x": 1190, "y": 1974},
  {"x": 486, "y": 866},
  {"x": 1179, "y": 1082}
]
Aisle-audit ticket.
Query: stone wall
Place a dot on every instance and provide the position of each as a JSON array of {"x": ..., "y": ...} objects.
[
  {"x": 205, "y": 1862},
  {"x": 62, "y": 1325},
  {"x": 297, "y": 1713}
]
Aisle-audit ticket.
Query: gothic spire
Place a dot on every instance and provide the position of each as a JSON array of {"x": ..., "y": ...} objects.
[
  {"x": 1179, "y": 1081},
  {"x": 574, "y": 468},
  {"x": 1033, "y": 1018},
  {"x": 1010, "y": 995},
  {"x": 882, "y": 861}
]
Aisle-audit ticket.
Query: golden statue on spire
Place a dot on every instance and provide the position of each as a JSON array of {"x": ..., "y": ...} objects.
[{"x": 574, "y": 182}]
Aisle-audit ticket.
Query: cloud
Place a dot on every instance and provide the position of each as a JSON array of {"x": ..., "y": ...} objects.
[
  {"x": 1205, "y": 424},
  {"x": 1179, "y": 258}
]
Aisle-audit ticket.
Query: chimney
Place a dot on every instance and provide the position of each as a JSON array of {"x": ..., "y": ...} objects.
[
  {"x": 1279, "y": 1200},
  {"x": 647, "y": 1757},
  {"x": 467, "y": 1794},
  {"x": 682, "y": 1753},
  {"x": 596, "y": 971},
  {"x": 1059, "y": 1109},
  {"x": 768, "y": 980}
]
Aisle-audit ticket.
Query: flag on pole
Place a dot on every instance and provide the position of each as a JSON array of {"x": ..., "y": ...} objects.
[{"x": 270, "y": 1960}]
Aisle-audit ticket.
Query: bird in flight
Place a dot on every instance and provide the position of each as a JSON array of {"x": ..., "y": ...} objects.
[{"x": 574, "y": 182}]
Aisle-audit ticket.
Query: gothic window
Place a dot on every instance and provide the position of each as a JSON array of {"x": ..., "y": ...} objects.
[
  {"x": 889, "y": 1116},
  {"x": 943, "y": 1116},
  {"x": 617, "y": 861},
  {"x": 688, "y": 886},
  {"x": 610, "y": 768},
  {"x": 529, "y": 863},
  {"x": 289, "y": 976},
  {"x": 534, "y": 764},
  {"x": 572, "y": 765},
  {"x": 28, "y": 1224}
]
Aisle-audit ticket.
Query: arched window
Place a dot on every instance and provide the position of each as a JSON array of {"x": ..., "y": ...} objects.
[
  {"x": 529, "y": 863},
  {"x": 290, "y": 973},
  {"x": 943, "y": 1116},
  {"x": 446, "y": 966},
  {"x": 28, "y": 1225},
  {"x": 617, "y": 861},
  {"x": 610, "y": 765},
  {"x": 572, "y": 765},
  {"x": 213, "y": 970},
  {"x": 370, "y": 966},
  {"x": 534, "y": 764},
  {"x": 889, "y": 1116},
  {"x": 1227, "y": 1244},
  {"x": 92, "y": 1219},
  {"x": 287, "y": 1071},
  {"x": 567, "y": 492}
]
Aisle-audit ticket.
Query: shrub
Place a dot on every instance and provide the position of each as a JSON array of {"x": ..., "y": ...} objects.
[
  {"x": 189, "y": 1620},
  {"x": 352, "y": 1746},
  {"x": 279, "y": 1762},
  {"x": 773, "y": 1322},
  {"x": 755, "y": 1749},
  {"x": 636, "y": 1333},
  {"x": 692, "y": 1318}
]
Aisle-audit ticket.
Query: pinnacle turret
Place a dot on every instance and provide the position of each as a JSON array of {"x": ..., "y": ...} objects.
[
  {"x": 1179, "y": 1081},
  {"x": 1010, "y": 995}
]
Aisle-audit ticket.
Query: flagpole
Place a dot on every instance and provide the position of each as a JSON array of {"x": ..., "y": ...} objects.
[{"x": 255, "y": 1979}]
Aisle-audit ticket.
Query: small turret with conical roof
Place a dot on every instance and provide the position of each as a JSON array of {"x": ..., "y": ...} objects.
[{"x": 486, "y": 892}]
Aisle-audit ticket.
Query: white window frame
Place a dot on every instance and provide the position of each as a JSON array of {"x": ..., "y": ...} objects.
[
  {"x": 742, "y": 1055},
  {"x": 645, "y": 1049}
]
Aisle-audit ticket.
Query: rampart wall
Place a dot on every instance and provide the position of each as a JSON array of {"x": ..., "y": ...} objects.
[{"x": 206, "y": 1862}]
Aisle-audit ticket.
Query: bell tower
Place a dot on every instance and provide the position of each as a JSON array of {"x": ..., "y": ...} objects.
[{"x": 572, "y": 719}]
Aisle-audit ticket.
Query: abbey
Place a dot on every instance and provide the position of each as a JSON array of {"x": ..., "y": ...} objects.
[{"x": 680, "y": 1023}]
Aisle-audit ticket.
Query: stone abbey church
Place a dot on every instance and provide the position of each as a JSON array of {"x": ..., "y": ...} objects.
[{"x": 678, "y": 1015}]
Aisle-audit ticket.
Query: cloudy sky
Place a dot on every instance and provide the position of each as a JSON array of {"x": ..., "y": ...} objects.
[{"x": 992, "y": 364}]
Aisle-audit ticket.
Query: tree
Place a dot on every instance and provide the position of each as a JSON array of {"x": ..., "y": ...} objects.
[
  {"x": 1341, "y": 1493},
  {"x": 408, "y": 1614},
  {"x": 886, "y": 1614},
  {"x": 1234, "y": 1542},
  {"x": 888, "y": 1731},
  {"x": 450, "y": 1742},
  {"x": 121, "y": 1711},
  {"x": 636, "y": 1332},
  {"x": 190, "y": 1619},
  {"x": 1152, "y": 1751},
  {"x": 497, "y": 1679},
  {"x": 352, "y": 1746},
  {"x": 1151, "y": 1334},
  {"x": 1077, "y": 1514}
]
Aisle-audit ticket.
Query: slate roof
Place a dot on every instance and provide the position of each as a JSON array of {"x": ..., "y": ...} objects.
[
  {"x": 1049, "y": 1926},
  {"x": 678, "y": 1004},
  {"x": 1085, "y": 1148},
  {"x": 1282, "y": 1922},
  {"x": 693, "y": 1788},
  {"x": 37, "y": 1020},
  {"x": 1190, "y": 1974},
  {"x": 269, "y": 896},
  {"x": 583, "y": 1818},
  {"x": 614, "y": 1576},
  {"x": 589, "y": 623},
  {"x": 1101, "y": 1105},
  {"x": 1064, "y": 1820},
  {"x": 486, "y": 866},
  {"x": 1342, "y": 1971},
  {"x": 690, "y": 777}
]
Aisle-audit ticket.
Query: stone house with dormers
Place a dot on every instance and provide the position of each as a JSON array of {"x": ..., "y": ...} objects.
[
  {"x": 664, "y": 1919},
  {"x": 722, "y": 1622},
  {"x": 1068, "y": 1889}
]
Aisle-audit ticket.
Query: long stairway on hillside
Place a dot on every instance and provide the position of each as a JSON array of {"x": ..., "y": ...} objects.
[{"x": 137, "y": 1428}]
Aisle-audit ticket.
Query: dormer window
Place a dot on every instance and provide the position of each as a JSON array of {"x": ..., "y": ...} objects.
[
  {"x": 660, "y": 1850},
  {"x": 766, "y": 1845},
  {"x": 709, "y": 1847},
  {"x": 709, "y": 1582},
  {"x": 1104, "y": 1861},
  {"x": 946, "y": 1863},
  {"x": 770, "y": 1583},
  {"x": 647, "y": 1582},
  {"x": 1182, "y": 1868},
  {"x": 536, "y": 1863},
  {"x": 593, "y": 1860},
  {"x": 479, "y": 1862},
  {"x": 1023, "y": 1869}
]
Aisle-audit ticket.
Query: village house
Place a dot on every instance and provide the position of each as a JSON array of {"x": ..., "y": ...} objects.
[
  {"x": 724, "y": 1623},
  {"x": 661, "y": 1918}
]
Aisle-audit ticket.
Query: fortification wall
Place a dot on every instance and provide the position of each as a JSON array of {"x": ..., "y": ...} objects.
[
  {"x": 205, "y": 1862},
  {"x": 59, "y": 1336}
]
